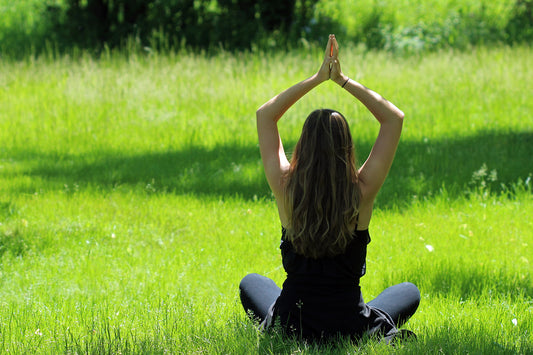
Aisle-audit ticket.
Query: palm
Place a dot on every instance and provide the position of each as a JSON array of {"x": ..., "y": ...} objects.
[
  {"x": 330, "y": 68},
  {"x": 336, "y": 72}
]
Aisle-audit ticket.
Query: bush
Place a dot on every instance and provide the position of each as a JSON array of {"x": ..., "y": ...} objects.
[
  {"x": 234, "y": 24},
  {"x": 32, "y": 27},
  {"x": 520, "y": 25}
]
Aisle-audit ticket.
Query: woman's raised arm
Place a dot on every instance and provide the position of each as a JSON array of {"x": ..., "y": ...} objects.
[
  {"x": 272, "y": 153},
  {"x": 373, "y": 172}
]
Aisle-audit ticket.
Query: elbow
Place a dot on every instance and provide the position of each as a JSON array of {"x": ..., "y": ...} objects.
[
  {"x": 399, "y": 119},
  {"x": 264, "y": 114},
  {"x": 259, "y": 116},
  {"x": 260, "y": 112},
  {"x": 401, "y": 115}
]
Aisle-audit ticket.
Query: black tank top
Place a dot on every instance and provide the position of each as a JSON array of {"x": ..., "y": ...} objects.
[
  {"x": 322, "y": 297},
  {"x": 342, "y": 269}
]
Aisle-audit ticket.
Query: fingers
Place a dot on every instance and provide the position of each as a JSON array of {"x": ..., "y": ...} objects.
[
  {"x": 330, "y": 66},
  {"x": 335, "y": 47},
  {"x": 329, "y": 48}
]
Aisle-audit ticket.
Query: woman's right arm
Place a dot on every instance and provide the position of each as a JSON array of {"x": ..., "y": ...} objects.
[
  {"x": 272, "y": 153},
  {"x": 373, "y": 172}
]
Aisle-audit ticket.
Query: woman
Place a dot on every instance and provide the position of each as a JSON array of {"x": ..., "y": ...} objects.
[{"x": 325, "y": 205}]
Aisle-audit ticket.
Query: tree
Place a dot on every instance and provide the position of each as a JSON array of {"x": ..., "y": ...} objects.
[{"x": 200, "y": 23}]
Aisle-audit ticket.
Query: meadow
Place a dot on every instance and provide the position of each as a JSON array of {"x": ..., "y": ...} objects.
[{"x": 132, "y": 198}]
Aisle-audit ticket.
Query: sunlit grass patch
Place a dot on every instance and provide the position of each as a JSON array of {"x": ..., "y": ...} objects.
[{"x": 132, "y": 199}]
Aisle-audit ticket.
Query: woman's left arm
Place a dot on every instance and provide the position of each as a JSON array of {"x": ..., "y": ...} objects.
[{"x": 375, "y": 169}]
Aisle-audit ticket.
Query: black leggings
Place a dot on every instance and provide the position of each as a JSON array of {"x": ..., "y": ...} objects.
[{"x": 258, "y": 293}]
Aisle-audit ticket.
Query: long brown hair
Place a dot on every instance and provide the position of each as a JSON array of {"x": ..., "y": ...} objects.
[{"x": 322, "y": 188}]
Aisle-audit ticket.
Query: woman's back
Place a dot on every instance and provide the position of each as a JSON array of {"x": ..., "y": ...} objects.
[{"x": 321, "y": 188}]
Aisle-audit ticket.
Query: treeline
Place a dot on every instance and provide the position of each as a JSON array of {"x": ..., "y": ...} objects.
[
  {"x": 233, "y": 24},
  {"x": 246, "y": 24}
]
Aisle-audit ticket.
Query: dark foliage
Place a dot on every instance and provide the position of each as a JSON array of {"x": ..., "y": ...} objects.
[
  {"x": 164, "y": 25},
  {"x": 169, "y": 23},
  {"x": 520, "y": 25}
]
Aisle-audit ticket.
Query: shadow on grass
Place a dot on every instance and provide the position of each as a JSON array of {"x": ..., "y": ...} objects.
[
  {"x": 421, "y": 168},
  {"x": 220, "y": 171},
  {"x": 484, "y": 161},
  {"x": 474, "y": 282}
]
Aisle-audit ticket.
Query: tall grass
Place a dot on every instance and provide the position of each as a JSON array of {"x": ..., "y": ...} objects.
[{"x": 132, "y": 199}]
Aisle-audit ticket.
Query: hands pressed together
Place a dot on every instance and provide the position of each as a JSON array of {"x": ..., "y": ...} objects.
[{"x": 331, "y": 67}]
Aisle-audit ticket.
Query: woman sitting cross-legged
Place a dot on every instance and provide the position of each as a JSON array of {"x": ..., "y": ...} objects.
[{"x": 325, "y": 205}]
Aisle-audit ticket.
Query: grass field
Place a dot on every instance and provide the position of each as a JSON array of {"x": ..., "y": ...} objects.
[{"x": 132, "y": 199}]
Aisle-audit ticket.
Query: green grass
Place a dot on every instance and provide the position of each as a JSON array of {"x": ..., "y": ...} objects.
[{"x": 132, "y": 199}]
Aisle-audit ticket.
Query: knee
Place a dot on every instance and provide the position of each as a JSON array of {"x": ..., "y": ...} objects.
[
  {"x": 412, "y": 291},
  {"x": 247, "y": 280},
  {"x": 411, "y": 286}
]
